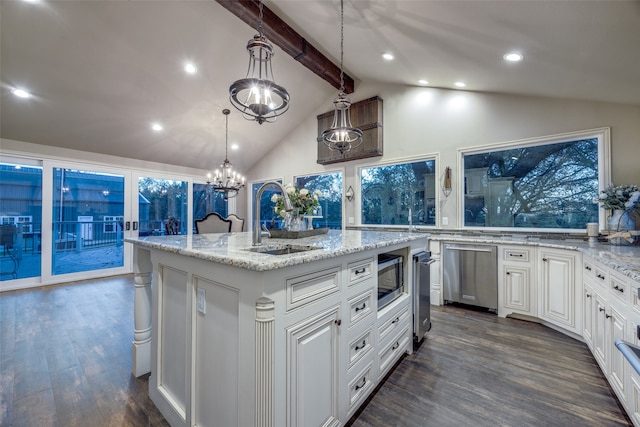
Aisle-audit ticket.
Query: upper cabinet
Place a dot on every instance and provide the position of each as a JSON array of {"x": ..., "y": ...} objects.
[{"x": 366, "y": 115}]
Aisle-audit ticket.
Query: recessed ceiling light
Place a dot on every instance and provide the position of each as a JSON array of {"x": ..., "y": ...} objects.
[
  {"x": 460, "y": 84},
  {"x": 190, "y": 68},
  {"x": 423, "y": 82},
  {"x": 513, "y": 57},
  {"x": 234, "y": 146},
  {"x": 388, "y": 56},
  {"x": 21, "y": 93},
  {"x": 156, "y": 126}
]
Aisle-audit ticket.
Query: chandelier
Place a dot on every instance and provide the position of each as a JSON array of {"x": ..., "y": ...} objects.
[
  {"x": 342, "y": 136},
  {"x": 226, "y": 181},
  {"x": 257, "y": 96}
]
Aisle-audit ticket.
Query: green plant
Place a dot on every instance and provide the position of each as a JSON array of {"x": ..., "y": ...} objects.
[
  {"x": 303, "y": 200},
  {"x": 620, "y": 197}
]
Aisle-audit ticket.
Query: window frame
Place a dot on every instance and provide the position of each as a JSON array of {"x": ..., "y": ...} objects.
[
  {"x": 603, "y": 136},
  {"x": 399, "y": 161}
]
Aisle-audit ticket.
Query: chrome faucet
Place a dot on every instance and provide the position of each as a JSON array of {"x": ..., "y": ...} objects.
[{"x": 288, "y": 207}]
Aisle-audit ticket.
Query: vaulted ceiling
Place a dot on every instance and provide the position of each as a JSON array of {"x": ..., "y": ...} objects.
[{"x": 101, "y": 72}]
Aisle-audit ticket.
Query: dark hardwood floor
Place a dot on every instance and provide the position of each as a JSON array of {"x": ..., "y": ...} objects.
[
  {"x": 65, "y": 359},
  {"x": 476, "y": 369}
]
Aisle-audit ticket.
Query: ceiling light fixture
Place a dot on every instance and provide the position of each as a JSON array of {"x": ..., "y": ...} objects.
[
  {"x": 388, "y": 56},
  {"x": 21, "y": 93},
  {"x": 460, "y": 84},
  {"x": 156, "y": 126},
  {"x": 257, "y": 96},
  {"x": 513, "y": 57},
  {"x": 190, "y": 68},
  {"x": 423, "y": 82},
  {"x": 341, "y": 136},
  {"x": 227, "y": 180}
]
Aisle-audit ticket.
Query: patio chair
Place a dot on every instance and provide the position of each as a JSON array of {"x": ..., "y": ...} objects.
[
  {"x": 237, "y": 223},
  {"x": 171, "y": 226},
  {"x": 213, "y": 223},
  {"x": 10, "y": 249}
]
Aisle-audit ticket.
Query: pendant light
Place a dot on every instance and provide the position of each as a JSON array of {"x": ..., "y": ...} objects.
[
  {"x": 342, "y": 136},
  {"x": 227, "y": 180},
  {"x": 257, "y": 96}
]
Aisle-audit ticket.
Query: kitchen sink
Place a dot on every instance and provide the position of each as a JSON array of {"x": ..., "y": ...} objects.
[{"x": 283, "y": 250}]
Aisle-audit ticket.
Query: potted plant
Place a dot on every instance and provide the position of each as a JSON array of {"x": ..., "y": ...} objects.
[{"x": 624, "y": 202}]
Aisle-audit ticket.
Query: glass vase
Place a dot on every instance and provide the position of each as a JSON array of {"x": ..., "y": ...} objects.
[
  {"x": 624, "y": 220},
  {"x": 295, "y": 221}
]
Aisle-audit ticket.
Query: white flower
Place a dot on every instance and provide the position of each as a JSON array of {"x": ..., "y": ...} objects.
[
  {"x": 633, "y": 199},
  {"x": 274, "y": 198},
  {"x": 315, "y": 197},
  {"x": 304, "y": 192},
  {"x": 317, "y": 193},
  {"x": 290, "y": 188},
  {"x": 283, "y": 213}
]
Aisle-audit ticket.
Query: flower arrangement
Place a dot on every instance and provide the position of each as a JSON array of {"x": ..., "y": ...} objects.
[
  {"x": 303, "y": 200},
  {"x": 621, "y": 197}
]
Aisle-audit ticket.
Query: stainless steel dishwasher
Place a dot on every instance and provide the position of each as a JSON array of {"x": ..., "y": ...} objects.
[{"x": 470, "y": 274}]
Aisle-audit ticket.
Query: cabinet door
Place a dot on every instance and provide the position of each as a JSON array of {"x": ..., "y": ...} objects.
[
  {"x": 616, "y": 331},
  {"x": 588, "y": 316},
  {"x": 312, "y": 392},
  {"x": 517, "y": 286},
  {"x": 600, "y": 344},
  {"x": 558, "y": 289}
]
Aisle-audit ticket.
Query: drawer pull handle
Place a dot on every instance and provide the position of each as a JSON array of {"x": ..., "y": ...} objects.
[
  {"x": 545, "y": 259},
  {"x": 618, "y": 288},
  {"x": 396, "y": 320},
  {"x": 338, "y": 322},
  {"x": 600, "y": 309},
  {"x": 396, "y": 345},
  {"x": 608, "y": 316},
  {"x": 362, "y": 307},
  {"x": 600, "y": 276},
  {"x": 360, "y": 271},
  {"x": 588, "y": 295},
  {"x": 518, "y": 255},
  {"x": 362, "y": 384},
  {"x": 508, "y": 273},
  {"x": 587, "y": 268},
  {"x": 361, "y": 346}
]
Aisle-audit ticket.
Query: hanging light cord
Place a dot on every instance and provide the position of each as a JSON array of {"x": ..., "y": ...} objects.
[
  {"x": 260, "y": 19},
  {"x": 341, "y": 45},
  {"x": 226, "y": 137}
]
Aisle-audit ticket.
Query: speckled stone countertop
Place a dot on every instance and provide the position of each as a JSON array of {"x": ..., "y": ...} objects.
[
  {"x": 233, "y": 248},
  {"x": 624, "y": 259}
]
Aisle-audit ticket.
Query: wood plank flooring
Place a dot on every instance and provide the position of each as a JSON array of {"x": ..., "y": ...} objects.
[
  {"x": 476, "y": 369},
  {"x": 65, "y": 360}
]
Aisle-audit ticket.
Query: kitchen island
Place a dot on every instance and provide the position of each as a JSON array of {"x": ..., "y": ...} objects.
[{"x": 235, "y": 337}]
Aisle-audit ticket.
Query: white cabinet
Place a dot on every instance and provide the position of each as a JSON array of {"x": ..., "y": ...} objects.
[
  {"x": 588, "y": 312},
  {"x": 516, "y": 293},
  {"x": 475, "y": 181},
  {"x": 560, "y": 300},
  {"x": 313, "y": 367}
]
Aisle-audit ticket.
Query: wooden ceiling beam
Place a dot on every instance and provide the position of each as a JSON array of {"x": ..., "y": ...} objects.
[{"x": 281, "y": 34}]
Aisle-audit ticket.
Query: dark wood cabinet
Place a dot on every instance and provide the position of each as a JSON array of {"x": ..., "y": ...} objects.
[{"x": 365, "y": 115}]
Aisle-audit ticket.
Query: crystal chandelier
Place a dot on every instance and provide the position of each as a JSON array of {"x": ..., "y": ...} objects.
[
  {"x": 257, "y": 96},
  {"x": 342, "y": 136},
  {"x": 227, "y": 180}
]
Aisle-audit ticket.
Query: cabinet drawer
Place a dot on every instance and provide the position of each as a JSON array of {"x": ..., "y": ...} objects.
[
  {"x": 359, "y": 387},
  {"x": 391, "y": 326},
  {"x": 600, "y": 276},
  {"x": 359, "y": 347},
  {"x": 516, "y": 255},
  {"x": 393, "y": 350},
  {"x": 305, "y": 289},
  {"x": 361, "y": 270},
  {"x": 360, "y": 306},
  {"x": 619, "y": 287},
  {"x": 588, "y": 269}
]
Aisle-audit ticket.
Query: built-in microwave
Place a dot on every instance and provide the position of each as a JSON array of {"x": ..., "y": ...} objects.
[{"x": 390, "y": 278}]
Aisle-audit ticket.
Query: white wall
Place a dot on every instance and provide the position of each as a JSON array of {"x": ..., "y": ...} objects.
[{"x": 419, "y": 121}]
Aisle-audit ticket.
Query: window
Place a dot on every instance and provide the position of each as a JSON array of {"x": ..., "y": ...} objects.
[
  {"x": 330, "y": 184},
  {"x": 205, "y": 201},
  {"x": 542, "y": 184},
  {"x": 390, "y": 192}
]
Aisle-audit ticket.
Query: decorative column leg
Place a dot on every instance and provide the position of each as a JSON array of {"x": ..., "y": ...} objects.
[
  {"x": 141, "y": 346},
  {"x": 265, "y": 315}
]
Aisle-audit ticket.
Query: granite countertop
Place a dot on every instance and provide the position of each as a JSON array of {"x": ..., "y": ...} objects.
[
  {"x": 623, "y": 259},
  {"x": 232, "y": 248}
]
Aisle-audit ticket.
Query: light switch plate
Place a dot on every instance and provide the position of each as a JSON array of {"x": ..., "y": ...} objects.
[
  {"x": 445, "y": 220},
  {"x": 202, "y": 301}
]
